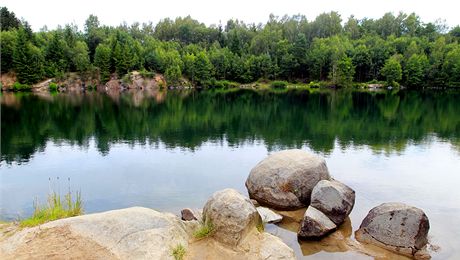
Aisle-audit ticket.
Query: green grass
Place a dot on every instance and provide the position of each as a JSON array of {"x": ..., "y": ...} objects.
[
  {"x": 55, "y": 209},
  {"x": 178, "y": 252},
  {"x": 204, "y": 231},
  {"x": 261, "y": 226}
]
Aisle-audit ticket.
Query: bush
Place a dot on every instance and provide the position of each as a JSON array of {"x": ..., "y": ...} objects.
[
  {"x": 225, "y": 84},
  {"x": 314, "y": 84},
  {"x": 278, "y": 84},
  {"x": 147, "y": 74},
  {"x": 53, "y": 86},
  {"x": 21, "y": 87}
]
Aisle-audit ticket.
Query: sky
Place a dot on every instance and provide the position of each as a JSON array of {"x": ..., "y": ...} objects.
[{"x": 60, "y": 12}]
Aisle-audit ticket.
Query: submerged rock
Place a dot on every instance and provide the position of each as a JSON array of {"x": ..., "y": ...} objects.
[
  {"x": 334, "y": 199},
  {"x": 397, "y": 227},
  {"x": 315, "y": 224},
  {"x": 268, "y": 216},
  {"x": 285, "y": 180},
  {"x": 231, "y": 215}
]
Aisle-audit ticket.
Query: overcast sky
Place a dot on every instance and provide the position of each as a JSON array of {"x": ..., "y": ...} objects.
[{"x": 60, "y": 12}]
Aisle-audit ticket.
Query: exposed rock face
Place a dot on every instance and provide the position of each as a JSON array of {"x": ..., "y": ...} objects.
[
  {"x": 395, "y": 226},
  {"x": 315, "y": 224},
  {"x": 268, "y": 216},
  {"x": 285, "y": 180},
  {"x": 132, "y": 233},
  {"x": 334, "y": 199},
  {"x": 187, "y": 215},
  {"x": 232, "y": 216}
]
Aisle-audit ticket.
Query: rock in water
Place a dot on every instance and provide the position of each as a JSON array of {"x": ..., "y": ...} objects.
[
  {"x": 231, "y": 215},
  {"x": 285, "y": 180},
  {"x": 268, "y": 216},
  {"x": 315, "y": 224},
  {"x": 395, "y": 226},
  {"x": 187, "y": 215},
  {"x": 334, "y": 199}
]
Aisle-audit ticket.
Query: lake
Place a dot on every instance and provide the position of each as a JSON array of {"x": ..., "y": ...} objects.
[{"x": 170, "y": 150}]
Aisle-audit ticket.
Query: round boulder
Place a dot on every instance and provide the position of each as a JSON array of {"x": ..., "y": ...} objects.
[
  {"x": 395, "y": 226},
  {"x": 285, "y": 180},
  {"x": 334, "y": 199},
  {"x": 231, "y": 215}
]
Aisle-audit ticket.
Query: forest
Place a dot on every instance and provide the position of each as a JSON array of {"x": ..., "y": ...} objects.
[{"x": 395, "y": 49}]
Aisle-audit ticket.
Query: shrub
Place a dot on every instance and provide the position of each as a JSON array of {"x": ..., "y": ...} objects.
[
  {"x": 147, "y": 74},
  {"x": 21, "y": 87},
  {"x": 278, "y": 84},
  {"x": 53, "y": 86},
  {"x": 314, "y": 84},
  {"x": 225, "y": 84}
]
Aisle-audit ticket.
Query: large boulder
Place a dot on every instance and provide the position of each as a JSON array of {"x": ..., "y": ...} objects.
[
  {"x": 334, "y": 199},
  {"x": 395, "y": 226},
  {"x": 315, "y": 224},
  {"x": 285, "y": 180},
  {"x": 132, "y": 233},
  {"x": 231, "y": 215}
]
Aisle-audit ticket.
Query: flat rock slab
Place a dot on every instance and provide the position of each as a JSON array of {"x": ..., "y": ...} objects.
[
  {"x": 315, "y": 224},
  {"x": 132, "y": 233},
  {"x": 268, "y": 216}
]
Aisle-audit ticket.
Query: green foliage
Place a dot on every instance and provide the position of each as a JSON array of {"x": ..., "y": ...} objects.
[
  {"x": 205, "y": 230},
  {"x": 289, "y": 48},
  {"x": 55, "y": 209},
  {"x": 53, "y": 86},
  {"x": 178, "y": 252},
  {"x": 102, "y": 61},
  {"x": 278, "y": 84},
  {"x": 392, "y": 71},
  {"x": 416, "y": 70},
  {"x": 224, "y": 84},
  {"x": 21, "y": 87},
  {"x": 173, "y": 74}
]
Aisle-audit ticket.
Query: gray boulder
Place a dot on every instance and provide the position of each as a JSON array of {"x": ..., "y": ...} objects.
[
  {"x": 231, "y": 215},
  {"x": 285, "y": 180},
  {"x": 334, "y": 199},
  {"x": 315, "y": 224},
  {"x": 395, "y": 226}
]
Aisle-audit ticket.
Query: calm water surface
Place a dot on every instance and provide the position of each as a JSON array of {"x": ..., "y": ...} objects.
[{"x": 170, "y": 151}]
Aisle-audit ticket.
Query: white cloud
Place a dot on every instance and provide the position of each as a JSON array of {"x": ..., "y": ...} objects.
[{"x": 53, "y": 13}]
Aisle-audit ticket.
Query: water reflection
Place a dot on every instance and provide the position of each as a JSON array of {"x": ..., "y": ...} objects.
[{"x": 385, "y": 121}]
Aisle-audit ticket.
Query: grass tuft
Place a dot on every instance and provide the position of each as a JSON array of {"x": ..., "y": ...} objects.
[
  {"x": 178, "y": 252},
  {"x": 204, "y": 231},
  {"x": 56, "y": 209}
]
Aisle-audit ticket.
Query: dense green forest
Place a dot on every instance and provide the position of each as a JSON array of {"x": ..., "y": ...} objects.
[{"x": 398, "y": 49}]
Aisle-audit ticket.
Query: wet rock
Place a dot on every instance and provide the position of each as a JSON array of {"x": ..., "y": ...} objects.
[
  {"x": 397, "y": 227},
  {"x": 315, "y": 224},
  {"x": 334, "y": 199},
  {"x": 231, "y": 215},
  {"x": 285, "y": 180},
  {"x": 268, "y": 216},
  {"x": 187, "y": 215}
]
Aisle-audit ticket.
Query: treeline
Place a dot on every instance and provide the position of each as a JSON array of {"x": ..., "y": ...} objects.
[{"x": 396, "y": 49}]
